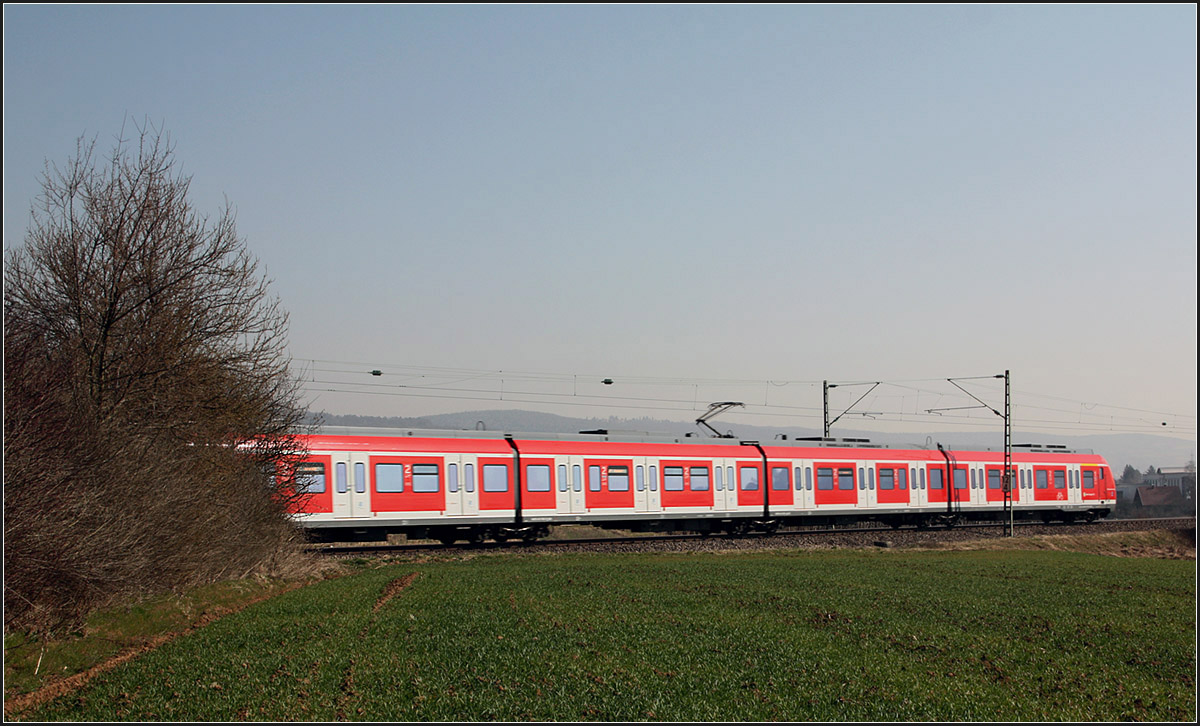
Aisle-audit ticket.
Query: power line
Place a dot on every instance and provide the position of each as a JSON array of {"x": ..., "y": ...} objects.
[{"x": 679, "y": 405}]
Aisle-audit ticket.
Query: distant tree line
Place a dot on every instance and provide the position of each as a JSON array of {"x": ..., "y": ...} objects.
[{"x": 147, "y": 399}]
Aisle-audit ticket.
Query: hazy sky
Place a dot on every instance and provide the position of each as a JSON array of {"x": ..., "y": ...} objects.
[{"x": 702, "y": 203}]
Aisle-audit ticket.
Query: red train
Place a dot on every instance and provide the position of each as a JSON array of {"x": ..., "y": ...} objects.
[{"x": 362, "y": 484}]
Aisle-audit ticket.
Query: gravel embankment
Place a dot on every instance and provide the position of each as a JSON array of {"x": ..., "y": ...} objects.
[{"x": 875, "y": 539}]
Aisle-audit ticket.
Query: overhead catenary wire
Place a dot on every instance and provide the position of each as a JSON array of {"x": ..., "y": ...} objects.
[{"x": 431, "y": 382}]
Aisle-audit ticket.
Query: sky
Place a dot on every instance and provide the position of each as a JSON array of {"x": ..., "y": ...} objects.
[{"x": 503, "y": 205}]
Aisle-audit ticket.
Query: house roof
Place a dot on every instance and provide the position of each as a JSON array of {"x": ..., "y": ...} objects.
[{"x": 1159, "y": 496}]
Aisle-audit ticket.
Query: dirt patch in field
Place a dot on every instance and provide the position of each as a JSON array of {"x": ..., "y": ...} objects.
[
  {"x": 15, "y": 705},
  {"x": 393, "y": 587},
  {"x": 1167, "y": 544}
]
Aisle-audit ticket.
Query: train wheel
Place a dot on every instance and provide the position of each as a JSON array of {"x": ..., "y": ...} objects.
[
  {"x": 447, "y": 539},
  {"x": 475, "y": 537}
]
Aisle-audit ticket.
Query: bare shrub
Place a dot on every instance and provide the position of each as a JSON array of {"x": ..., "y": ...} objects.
[{"x": 148, "y": 400}]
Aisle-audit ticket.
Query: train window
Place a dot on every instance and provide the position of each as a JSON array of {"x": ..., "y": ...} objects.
[
  {"x": 1042, "y": 480},
  {"x": 562, "y": 477},
  {"x": 537, "y": 478},
  {"x": 654, "y": 478},
  {"x": 426, "y": 478},
  {"x": 699, "y": 478},
  {"x": 339, "y": 477},
  {"x": 935, "y": 479},
  {"x": 1089, "y": 480},
  {"x": 1059, "y": 482},
  {"x": 720, "y": 479},
  {"x": 593, "y": 478},
  {"x": 640, "y": 472},
  {"x": 360, "y": 477},
  {"x": 779, "y": 478},
  {"x": 469, "y": 475},
  {"x": 922, "y": 478},
  {"x": 903, "y": 476},
  {"x": 871, "y": 478},
  {"x": 389, "y": 478},
  {"x": 618, "y": 478},
  {"x": 993, "y": 477},
  {"x": 495, "y": 478},
  {"x": 673, "y": 478},
  {"x": 749, "y": 479},
  {"x": 799, "y": 480},
  {"x": 887, "y": 479},
  {"x": 310, "y": 478},
  {"x": 960, "y": 479},
  {"x": 862, "y": 480},
  {"x": 846, "y": 479},
  {"x": 824, "y": 478},
  {"x": 808, "y": 478},
  {"x": 1021, "y": 479},
  {"x": 452, "y": 476},
  {"x": 973, "y": 486},
  {"x": 577, "y": 478}
]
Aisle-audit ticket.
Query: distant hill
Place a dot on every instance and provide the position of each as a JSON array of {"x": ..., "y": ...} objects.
[{"x": 1139, "y": 450}]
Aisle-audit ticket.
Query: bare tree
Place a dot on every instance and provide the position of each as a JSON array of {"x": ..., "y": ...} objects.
[{"x": 148, "y": 400}]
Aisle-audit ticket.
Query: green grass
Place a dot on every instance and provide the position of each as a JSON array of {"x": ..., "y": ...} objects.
[
  {"x": 893, "y": 636},
  {"x": 29, "y": 662}
]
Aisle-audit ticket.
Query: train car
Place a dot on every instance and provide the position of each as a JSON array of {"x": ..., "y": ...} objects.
[{"x": 362, "y": 484}]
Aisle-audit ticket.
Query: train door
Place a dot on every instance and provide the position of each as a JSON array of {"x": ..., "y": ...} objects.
[
  {"x": 978, "y": 496},
  {"x": 1074, "y": 493},
  {"x": 350, "y": 497},
  {"x": 468, "y": 472},
  {"x": 725, "y": 497},
  {"x": 570, "y": 485},
  {"x": 1025, "y": 484},
  {"x": 641, "y": 485},
  {"x": 802, "y": 481},
  {"x": 867, "y": 494},
  {"x": 918, "y": 495},
  {"x": 454, "y": 485}
]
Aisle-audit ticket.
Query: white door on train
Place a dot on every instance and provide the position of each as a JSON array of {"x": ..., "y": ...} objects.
[
  {"x": 641, "y": 486},
  {"x": 571, "y": 498},
  {"x": 454, "y": 485},
  {"x": 469, "y": 471},
  {"x": 866, "y": 484},
  {"x": 1074, "y": 490},
  {"x": 350, "y": 497}
]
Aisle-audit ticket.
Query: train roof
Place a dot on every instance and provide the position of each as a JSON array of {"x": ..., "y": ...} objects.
[{"x": 666, "y": 438}]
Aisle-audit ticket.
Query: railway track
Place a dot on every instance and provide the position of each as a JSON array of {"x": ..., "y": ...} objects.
[{"x": 846, "y": 536}]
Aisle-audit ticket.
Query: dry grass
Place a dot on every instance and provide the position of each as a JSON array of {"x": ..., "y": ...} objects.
[{"x": 1161, "y": 544}]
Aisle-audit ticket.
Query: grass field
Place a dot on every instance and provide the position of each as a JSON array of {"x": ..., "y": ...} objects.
[{"x": 830, "y": 635}]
